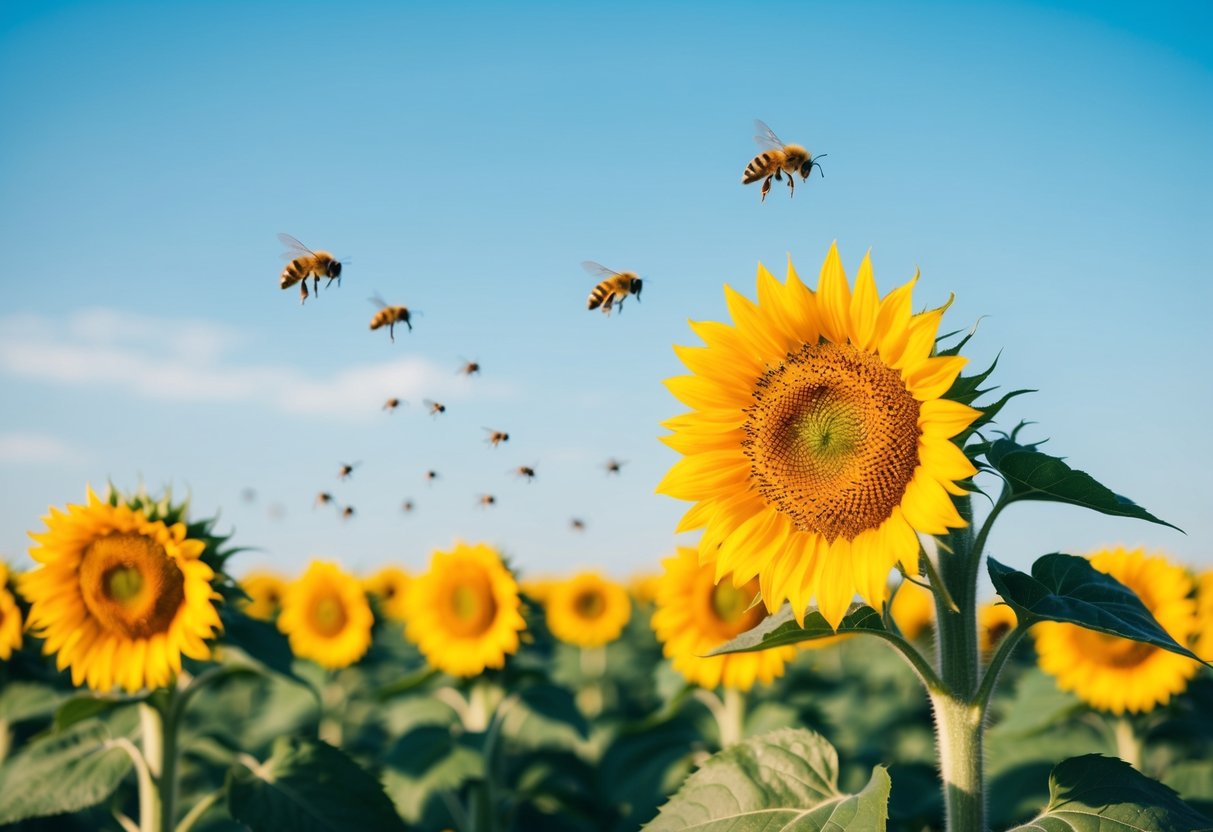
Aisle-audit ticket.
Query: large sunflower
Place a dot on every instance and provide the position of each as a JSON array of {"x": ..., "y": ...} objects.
[
  {"x": 464, "y": 614},
  {"x": 119, "y": 597},
  {"x": 587, "y": 610},
  {"x": 265, "y": 591},
  {"x": 695, "y": 614},
  {"x": 1117, "y": 674},
  {"x": 390, "y": 585},
  {"x": 326, "y": 616},
  {"x": 10, "y": 617},
  {"x": 818, "y": 442}
]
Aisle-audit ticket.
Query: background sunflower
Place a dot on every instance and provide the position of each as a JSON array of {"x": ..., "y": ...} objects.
[
  {"x": 10, "y": 617},
  {"x": 390, "y": 586},
  {"x": 265, "y": 591},
  {"x": 587, "y": 610},
  {"x": 326, "y": 616}
]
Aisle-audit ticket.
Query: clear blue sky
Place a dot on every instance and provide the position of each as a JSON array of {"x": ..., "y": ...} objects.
[{"x": 1048, "y": 163}]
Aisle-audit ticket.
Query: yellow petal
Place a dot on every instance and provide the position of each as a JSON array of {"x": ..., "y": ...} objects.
[
  {"x": 834, "y": 298},
  {"x": 865, "y": 305},
  {"x": 702, "y": 393},
  {"x": 944, "y": 418},
  {"x": 837, "y": 589},
  {"x": 935, "y": 376},
  {"x": 706, "y": 475}
]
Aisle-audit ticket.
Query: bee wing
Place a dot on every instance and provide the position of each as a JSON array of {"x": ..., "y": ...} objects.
[
  {"x": 766, "y": 136},
  {"x": 597, "y": 269},
  {"x": 379, "y": 302},
  {"x": 294, "y": 248}
]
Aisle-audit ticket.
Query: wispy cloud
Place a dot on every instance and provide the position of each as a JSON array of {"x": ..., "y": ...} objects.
[
  {"x": 38, "y": 448},
  {"x": 193, "y": 361}
]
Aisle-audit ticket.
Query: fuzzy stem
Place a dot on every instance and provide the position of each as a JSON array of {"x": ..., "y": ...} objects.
[
  {"x": 734, "y": 717},
  {"x": 959, "y": 736},
  {"x": 593, "y": 666},
  {"x": 1128, "y": 744},
  {"x": 159, "y": 733}
]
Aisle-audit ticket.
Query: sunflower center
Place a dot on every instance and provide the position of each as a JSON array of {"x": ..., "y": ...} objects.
[
  {"x": 130, "y": 584},
  {"x": 728, "y": 602},
  {"x": 726, "y": 610},
  {"x": 471, "y": 607},
  {"x": 589, "y": 604},
  {"x": 328, "y": 615},
  {"x": 832, "y": 439},
  {"x": 1114, "y": 651}
]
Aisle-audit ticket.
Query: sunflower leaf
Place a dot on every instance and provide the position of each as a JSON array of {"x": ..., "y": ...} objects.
[
  {"x": 1069, "y": 589},
  {"x": 1032, "y": 475},
  {"x": 1093, "y": 793},
  {"x": 424, "y": 763},
  {"x": 781, "y": 629},
  {"x": 307, "y": 785},
  {"x": 65, "y": 771},
  {"x": 787, "y": 779}
]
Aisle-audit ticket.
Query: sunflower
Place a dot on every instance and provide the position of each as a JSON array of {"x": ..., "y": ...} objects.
[
  {"x": 819, "y": 440},
  {"x": 326, "y": 616},
  {"x": 537, "y": 589},
  {"x": 696, "y": 614},
  {"x": 465, "y": 614},
  {"x": 119, "y": 597},
  {"x": 587, "y": 610},
  {"x": 993, "y": 622},
  {"x": 913, "y": 609},
  {"x": 390, "y": 585},
  {"x": 1204, "y": 616},
  {"x": 1117, "y": 674},
  {"x": 265, "y": 591},
  {"x": 643, "y": 587},
  {"x": 10, "y": 617}
]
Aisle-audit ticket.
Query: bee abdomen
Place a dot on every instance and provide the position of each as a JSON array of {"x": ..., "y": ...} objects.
[
  {"x": 757, "y": 168},
  {"x": 291, "y": 275},
  {"x": 597, "y": 296}
]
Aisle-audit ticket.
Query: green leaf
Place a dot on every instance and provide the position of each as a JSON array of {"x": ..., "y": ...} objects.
[
  {"x": 544, "y": 716},
  {"x": 307, "y": 785},
  {"x": 423, "y": 763},
  {"x": 781, "y": 629},
  {"x": 259, "y": 640},
  {"x": 1093, "y": 793},
  {"x": 785, "y": 780},
  {"x": 80, "y": 708},
  {"x": 1069, "y": 589},
  {"x": 1036, "y": 705},
  {"x": 21, "y": 700},
  {"x": 62, "y": 772},
  {"x": 1032, "y": 475}
]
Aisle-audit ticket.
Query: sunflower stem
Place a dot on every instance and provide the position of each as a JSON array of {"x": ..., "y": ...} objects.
[
  {"x": 158, "y": 723},
  {"x": 593, "y": 666},
  {"x": 1005, "y": 647},
  {"x": 959, "y": 735},
  {"x": 732, "y": 725},
  {"x": 1128, "y": 744}
]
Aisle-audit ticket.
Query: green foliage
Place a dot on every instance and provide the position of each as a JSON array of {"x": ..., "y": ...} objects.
[
  {"x": 424, "y": 767},
  {"x": 781, "y": 629},
  {"x": 20, "y": 701},
  {"x": 308, "y": 785}
]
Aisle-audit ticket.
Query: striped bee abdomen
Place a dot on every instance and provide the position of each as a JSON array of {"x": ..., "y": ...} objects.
[
  {"x": 598, "y": 295},
  {"x": 758, "y": 167},
  {"x": 292, "y": 274}
]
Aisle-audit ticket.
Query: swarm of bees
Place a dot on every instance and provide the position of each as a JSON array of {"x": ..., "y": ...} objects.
[
  {"x": 389, "y": 316},
  {"x": 777, "y": 159},
  {"x": 613, "y": 287},
  {"x": 305, "y": 263}
]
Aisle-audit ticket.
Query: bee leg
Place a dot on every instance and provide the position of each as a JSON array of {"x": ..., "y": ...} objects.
[
  {"x": 391, "y": 331},
  {"x": 303, "y": 291},
  {"x": 791, "y": 186},
  {"x": 766, "y": 189},
  {"x": 316, "y": 285}
]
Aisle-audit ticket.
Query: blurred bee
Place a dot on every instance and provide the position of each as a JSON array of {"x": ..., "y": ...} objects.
[
  {"x": 407, "y": 506},
  {"x": 486, "y": 500},
  {"x": 346, "y": 470},
  {"x": 496, "y": 437},
  {"x": 612, "y": 287},
  {"x": 469, "y": 368},
  {"x": 430, "y": 476},
  {"x": 527, "y": 472},
  {"x": 389, "y": 316},
  {"x": 577, "y": 524},
  {"x": 306, "y": 263},
  {"x": 248, "y": 495},
  {"x": 276, "y": 511},
  {"x": 434, "y": 407},
  {"x": 613, "y": 465},
  {"x": 778, "y": 158},
  {"x": 391, "y": 404},
  {"x": 324, "y": 498},
  {"x": 347, "y": 512}
]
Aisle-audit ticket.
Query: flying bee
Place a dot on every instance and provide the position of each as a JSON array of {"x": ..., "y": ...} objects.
[
  {"x": 496, "y": 437},
  {"x": 430, "y": 476},
  {"x": 248, "y": 495},
  {"x": 434, "y": 407},
  {"x": 324, "y": 498},
  {"x": 613, "y": 465},
  {"x": 347, "y": 512},
  {"x": 486, "y": 500},
  {"x": 469, "y": 368},
  {"x": 577, "y": 524},
  {"x": 407, "y": 506},
  {"x": 389, "y": 316},
  {"x": 776, "y": 159},
  {"x": 612, "y": 287},
  {"x": 305, "y": 263},
  {"x": 527, "y": 472},
  {"x": 391, "y": 404},
  {"x": 347, "y": 469}
]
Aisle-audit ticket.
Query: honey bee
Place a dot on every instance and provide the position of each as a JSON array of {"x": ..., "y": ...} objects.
[
  {"x": 346, "y": 470},
  {"x": 434, "y": 407},
  {"x": 407, "y": 506},
  {"x": 391, "y": 404},
  {"x": 613, "y": 465},
  {"x": 430, "y": 476},
  {"x": 469, "y": 368},
  {"x": 612, "y": 288},
  {"x": 577, "y": 524},
  {"x": 305, "y": 263},
  {"x": 389, "y": 316},
  {"x": 496, "y": 437},
  {"x": 248, "y": 495},
  {"x": 324, "y": 498},
  {"x": 527, "y": 472},
  {"x": 778, "y": 158},
  {"x": 486, "y": 500},
  {"x": 347, "y": 512}
]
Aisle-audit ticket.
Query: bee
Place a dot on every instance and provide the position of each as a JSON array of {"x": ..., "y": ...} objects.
[
  {"x": 613, "y": 465},
  {"x": 496, "y": 437},
  {"x": 434, "y": 407},
  {"x": 430, "y": 476},
  {"x": 306, "y": 263},
  {"x": 778, "y": 158},
  {"x": 469, "y": 368},
  {"x": 389, "y": 316},
  {"x": 612, "y": 288},
  {"x": 391, "y": 404},
  {"x": 527, "y": 472},
  {"x": 276, "y": 511},
  {"x": 577, "y": 524},
  {"x": 324, "y": 498},
  {"x": 347, "y": 512},
  {"x": 407, "y": 506},
  {"x": 346, "y": 470},
  {"x": 248, "y": 495},
  {"x": 486, "y": 500}
]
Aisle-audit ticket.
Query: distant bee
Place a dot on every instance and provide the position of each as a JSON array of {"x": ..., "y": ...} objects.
[
  {"x": 613, "y": 465},
  {"x": 612, "y": 288},
  {"x": 778, "y": 158},
  {"x": 346, "y": 470},
  {"x": 486, "y": 500},
  {"x": 527, "y": 472},
  {"x": 248, "y": 495},
  {"x": 577, "y": 524},
  {"x": 306, "y": 263},
  {"x": 391, "y": 404},
  {"x": 407, "y": 506},
  {"x": 430, "y": 476},
  {"x": 496, "y": 437},
  {"x": 434, "y": 407},
  {"x": 389, "y": 316},
  {"x": 276, "y": 511},
  {"x": 470, "y": 368},
  {"x": 347, "y": 512},
  {"x": 324, "y": 498}
]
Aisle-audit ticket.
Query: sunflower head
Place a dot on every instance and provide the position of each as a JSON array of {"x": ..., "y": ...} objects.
[
  {"x": 587, "y": 610},
  {"x": 1204, "y": 616},
  {"x": 10, "y": 617},
  {"x": 643, "y": 587},
  {"x": 265, "y": 591},
  {"x": 819, "y": 439},
  {"x": 912, "y": 609},
  {"x": 993, "y": 622},
  {"x": 465, "y": 614},
  {"x": 326, "y": 617},
  {"x": 389, "y": 586},
  {"x": 696, "y": 614},
  {"x": 1116, "y": 674},
  {"x": 119, "y": 595}
]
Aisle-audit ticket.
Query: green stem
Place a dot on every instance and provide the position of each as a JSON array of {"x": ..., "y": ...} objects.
[
  {"x": 593, "y": 666},
  {"x": 1128, "y": 744},
  {"x": 143, "y": 776},
  {"x": 159, "y": 733},
  {"x": 959, "y": 725},
  {"x": 937, "y": 584},
  {"x": 921, "y": 667},
  {"x": 1005, "y": 647},
  {"x": 731, "y": 727},
  {"x": 200, "y": 809}
]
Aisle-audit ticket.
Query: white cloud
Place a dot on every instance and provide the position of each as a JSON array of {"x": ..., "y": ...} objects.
[
  {"x": 39, "y": 448},
  {"x": 189, "y": 361}
]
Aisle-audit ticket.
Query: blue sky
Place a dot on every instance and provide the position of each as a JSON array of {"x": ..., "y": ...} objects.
[{"x": 1047, "y": 163}]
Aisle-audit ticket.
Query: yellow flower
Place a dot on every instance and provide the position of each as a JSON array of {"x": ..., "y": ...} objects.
[
  {"x": 326, "y": 616},
  {"x": 695, "y": 614},
  {"x": 819, "y": 440},
  {"x": 538, "y": 589},
  {"x": 464, "y": 613},
  {"x": 10, "y": 617},
  {"x": 913, "y": 609},
  {"x": 118, "y": 597},
  {"x": 587, "y": 610},
  {"x": 1204, "y": 616},
  {"x": 265, "y": 591},
  {"x": 993, "y": 622},
  {"x": 390, "y": 585},
  {"x": 643, "y": 586},
  {"x": 1116, "y": 674}
]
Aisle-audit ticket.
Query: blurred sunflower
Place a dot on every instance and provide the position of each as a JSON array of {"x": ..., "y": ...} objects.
[
  {"x": 390, "y": 585},
  {"x": 643, "y": 587},
  {"x": 1117, "y": 674},
  {"x": 819, "y": 440},
  {"x": 913, "y": 609},
  {"x": 464, "y": 614},
  {"x": 1204, "y": 616},
  {"x": 326, "y": 616},
  {"x": 993, "y": 622},
  {"x": 695, "y": 614},
  {"x": 587, "y": 610},
  {"x": 10, "y": 617},
  {"x": 265, "y": 591},
  {"x": 537, "y": 589},
  {"x": 119, "y": 597}
]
